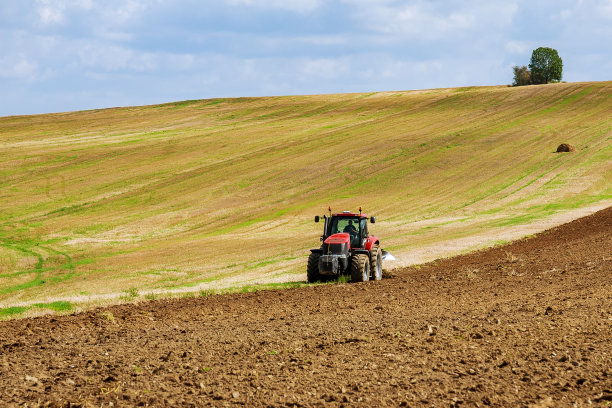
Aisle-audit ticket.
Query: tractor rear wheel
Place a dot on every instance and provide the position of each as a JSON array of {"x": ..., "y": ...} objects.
[
  {"x": 312, "y": 271},
  {"x": 376, "y": 262},
  {"x": 360, "y": 268}
]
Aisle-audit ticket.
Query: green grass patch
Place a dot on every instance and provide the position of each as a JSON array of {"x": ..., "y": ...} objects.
[
  {"x": 255, "y": 288},
  {"x": 181, "y": 104},
  {"x": 262, "y": 264},
  {"x": 215, "y": 102},
  {"x": 83, "y": 261},
  {"x": 37, "y": 281},
  {"x": 343, "y": 279},
  {"x": 59, "y": 306},
  {"x": 12, "y": 311}
]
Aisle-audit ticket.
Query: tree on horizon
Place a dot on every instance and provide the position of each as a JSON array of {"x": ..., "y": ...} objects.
[
  {"x": 522, "y": 76},
  {"x": 546, "y": 66}
]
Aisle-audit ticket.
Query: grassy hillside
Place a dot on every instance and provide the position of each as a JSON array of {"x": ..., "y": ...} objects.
[{"x": 223, "y": 191}]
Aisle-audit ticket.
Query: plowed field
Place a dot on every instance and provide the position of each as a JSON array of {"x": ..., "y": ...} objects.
[{"x": 527, "y": 323}]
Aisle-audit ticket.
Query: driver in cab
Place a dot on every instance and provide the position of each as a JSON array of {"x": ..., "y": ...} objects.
[{"x": 350, "y": 228}]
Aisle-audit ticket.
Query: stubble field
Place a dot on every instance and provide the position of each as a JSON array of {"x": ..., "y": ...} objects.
[{"x": 117, "y": 204}]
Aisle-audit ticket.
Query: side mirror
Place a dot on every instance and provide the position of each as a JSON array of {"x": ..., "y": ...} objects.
[
  {"x": 316, "y": 218},
  {"x": 373, "y": 220}
]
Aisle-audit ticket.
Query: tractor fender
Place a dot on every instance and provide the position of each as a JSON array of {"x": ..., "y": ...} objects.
[{"x": 371, "y": 241}]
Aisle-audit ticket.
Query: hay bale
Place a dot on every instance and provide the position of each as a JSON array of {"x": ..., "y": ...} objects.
[{"x": 564, "y": 147}]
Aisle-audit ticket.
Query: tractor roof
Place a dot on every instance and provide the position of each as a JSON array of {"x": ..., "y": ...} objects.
[{"x": 349, "y": 214}]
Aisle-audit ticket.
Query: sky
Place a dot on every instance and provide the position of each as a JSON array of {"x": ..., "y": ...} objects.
[{"x": 65, "y": 55}]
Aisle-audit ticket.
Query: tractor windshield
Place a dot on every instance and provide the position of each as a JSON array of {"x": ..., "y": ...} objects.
[{"x": 350, "y": 225}]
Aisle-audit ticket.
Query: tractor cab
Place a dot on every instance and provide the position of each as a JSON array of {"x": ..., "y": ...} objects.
[
  {"x": 346, "y": 222},
  {"x": 355, "y": 225}
]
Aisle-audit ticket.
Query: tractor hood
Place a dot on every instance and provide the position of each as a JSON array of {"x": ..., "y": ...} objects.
[{"x": 339, "y": 238}]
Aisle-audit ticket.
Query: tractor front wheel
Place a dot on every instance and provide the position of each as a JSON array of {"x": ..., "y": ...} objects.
[
  {"x": 360, "y": 268},
  {"x": 312, "y": 272}
]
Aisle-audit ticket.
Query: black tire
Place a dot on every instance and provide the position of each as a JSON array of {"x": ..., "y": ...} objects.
[
  {"x": 360, "y": 268},
  {"x": 376, "y": 262},
  {"x": 312, "y": 272}
]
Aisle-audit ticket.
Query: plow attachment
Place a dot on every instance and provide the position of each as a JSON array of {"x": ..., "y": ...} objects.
[{"x": 386, "y": 256}]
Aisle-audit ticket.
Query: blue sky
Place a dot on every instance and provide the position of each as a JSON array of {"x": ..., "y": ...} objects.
[{"x": 63, "y": 55}]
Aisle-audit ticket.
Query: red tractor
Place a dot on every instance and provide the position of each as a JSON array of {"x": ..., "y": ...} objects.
[{"x": 347, "y": 248}]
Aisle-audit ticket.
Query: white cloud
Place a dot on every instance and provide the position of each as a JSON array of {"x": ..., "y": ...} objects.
[
  {"x": 391, "y": 69},
  {"x": 569, "y": 12},
  {"x": 51, "y": 13},
  {"x": 113, "y": 36},
  {"x": 606, "y": 9},
  {"x": 126, "y": 10},
  {"x": 327, "y": 68},
  {"x": 300, "y": 6},
  {"x": 516, "y": 47},
  {"x": 565, "y": 14},
  {"x": 99, "y": 56},
  {"x": 19, "y": 67},
  {"x": 181, "y": 62},
  {"x": 85, "y": 4},
  {"x": 102, "y": 13},
  {"x": 323, "y": 40},
  {"x": 433, "y": 20},
  {"x": 104, "y": 58}
]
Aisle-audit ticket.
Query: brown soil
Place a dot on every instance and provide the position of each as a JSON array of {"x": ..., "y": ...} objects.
[
  {"x": 527, "y": 324},
  {"x": 564, "y": 147}
]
